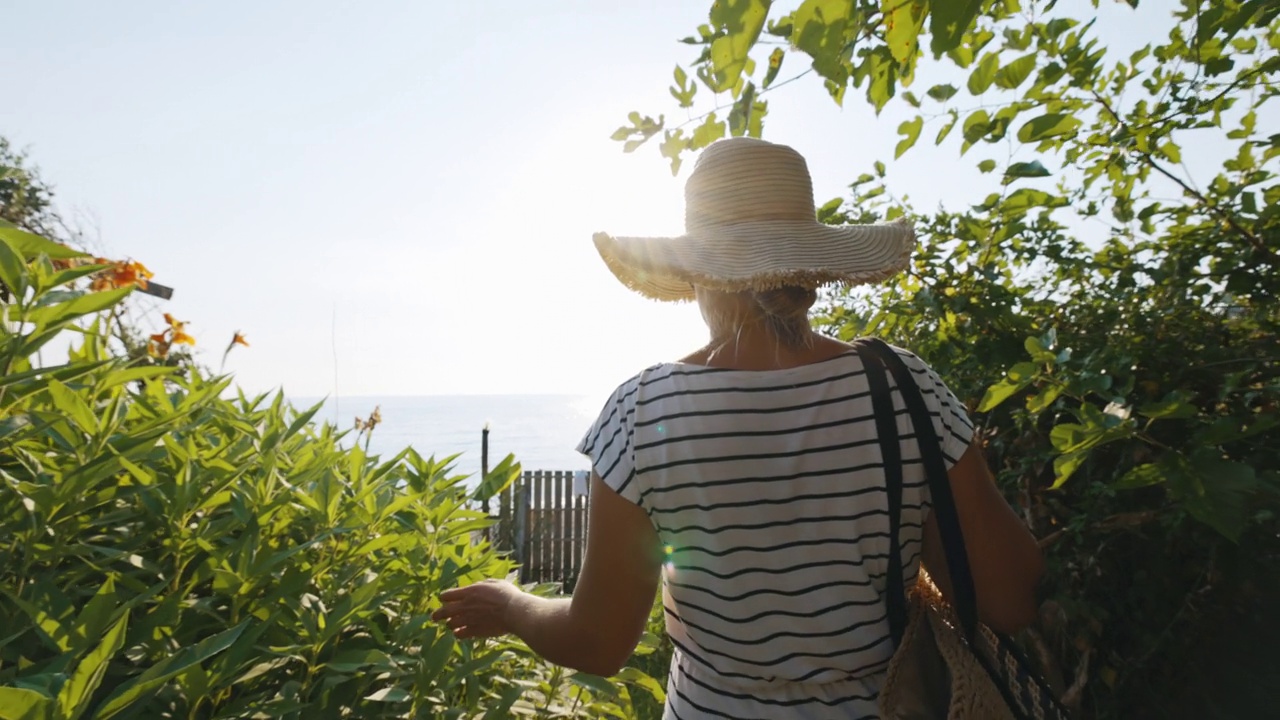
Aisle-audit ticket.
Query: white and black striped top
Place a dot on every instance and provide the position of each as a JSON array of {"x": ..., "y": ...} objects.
[{"x": 767, "y": 488}]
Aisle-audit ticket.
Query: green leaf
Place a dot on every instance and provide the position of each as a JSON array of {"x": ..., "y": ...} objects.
[
  {"x": 910, "y": 130},
  {"x": 946, "y": 128},
  {"x": 390, "y": 695},
  {"x": 711, "y": 130},
  {"x": 13, "y": 271},
  {"x": 1141, "y": 476},
  {"x": 775, "y": 64},
  {"x": 1038, "y": 352},
  {"x": 823, "y": 28},
  {"x": 636, "y": 676},
  {"x": 166, "y": 669},
  {"x": 1012, "y": 75},
  {"x": 949, "y": 21},
  {"x": 1216, "y": 492},
  {"x": 1064, "y": 466},
  {"x": 941, "y": 93},
  {"x": 24, "y": 704},
  {"x": 74, "y": 697},
  {"x": 133, "y": 374},
  {"x": 596, "y": 684},
  {"x": 1169, "y": 409},
  {"x": 987, "y": 166},
  {"x": 498, "y": 479},
  {"x": 1027, "y": 169},
  {"x": 31, "y": 246},
  {"x": 975, "y": 127},
  {"x": 1019, "y": 376},
  {"x": 79, "y": 307},
  {"x": 984, "y": 74},
  {"x": 741, "y": 21},
  {"x": 63, "y": 277},
  {"x": 1047, "y": 126},
  {"x": 1041, "y": 402},
  {"x": 73, "y": 407},
  {"x": 903, "y": 20},
  {"x": 1069, "y": 437}
]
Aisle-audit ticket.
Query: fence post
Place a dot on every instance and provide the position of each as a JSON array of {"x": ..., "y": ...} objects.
[{"x": 521, "y": 518}]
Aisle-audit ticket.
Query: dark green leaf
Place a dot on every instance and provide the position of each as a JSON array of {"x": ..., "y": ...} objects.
[
  {"x": 13, "y": 271},
  {"x": 1169, "y": 409},
  {"x": 941, "y": 93},
  {"x": 949, "y": 21},
  {"x": 1027, "y": 169},
  {"x": 162, "y": 672},
  {"x": 1141, "y": 476}
]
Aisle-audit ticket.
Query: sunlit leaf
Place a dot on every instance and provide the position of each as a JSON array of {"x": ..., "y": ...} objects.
[
  {"x": 742, "y": 21},
  {"x": 910, "y": 130},
  {"x": 1047, "y": 126},
  {"x": 1012, "y": 75},
  {"x": 984, "y": 74}
]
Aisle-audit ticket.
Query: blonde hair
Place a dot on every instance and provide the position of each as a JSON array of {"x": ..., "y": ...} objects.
[
  {"x": 786, "y": 311},
  {"x": 783, "y": 311}
]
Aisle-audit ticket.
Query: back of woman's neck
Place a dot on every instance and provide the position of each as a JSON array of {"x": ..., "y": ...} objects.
[{"x": 764, "y": 352}]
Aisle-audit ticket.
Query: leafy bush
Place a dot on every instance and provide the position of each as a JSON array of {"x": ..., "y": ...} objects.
[{"x": 168, "y": 552}]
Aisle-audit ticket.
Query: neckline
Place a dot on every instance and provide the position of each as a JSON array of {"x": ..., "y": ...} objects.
[{"x": 713, "y": 369}]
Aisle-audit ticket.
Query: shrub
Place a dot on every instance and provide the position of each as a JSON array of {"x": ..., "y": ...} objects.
[{"x": 166, "y": 551}]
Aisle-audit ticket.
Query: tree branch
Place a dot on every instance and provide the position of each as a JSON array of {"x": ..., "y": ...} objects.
[{"x": 1213, "y": 207}]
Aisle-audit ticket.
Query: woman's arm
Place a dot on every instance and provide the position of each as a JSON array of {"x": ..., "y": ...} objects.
[
  {"x": 596, "y": 629},
  {"x": 1004, "y": 559}
]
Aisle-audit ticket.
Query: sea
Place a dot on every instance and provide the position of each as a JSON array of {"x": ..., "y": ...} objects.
[{"x": 542, "y": 431}]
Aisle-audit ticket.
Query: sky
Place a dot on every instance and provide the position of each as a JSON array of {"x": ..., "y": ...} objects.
[{"x": 398, "y": 198}]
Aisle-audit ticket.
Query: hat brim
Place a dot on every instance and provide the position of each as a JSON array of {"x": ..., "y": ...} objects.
[{"x": 758, "y": 256}]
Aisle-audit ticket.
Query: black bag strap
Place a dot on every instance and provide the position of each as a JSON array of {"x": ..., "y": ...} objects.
[
  {"x": 891, "y": 453},
  {"x": 963, "y": 599}
]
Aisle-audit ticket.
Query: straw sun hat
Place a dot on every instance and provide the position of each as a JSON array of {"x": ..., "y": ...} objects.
[{"x": 750, "y": 224}]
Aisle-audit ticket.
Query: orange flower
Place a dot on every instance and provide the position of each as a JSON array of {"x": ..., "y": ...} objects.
[
  {"x": 238, "y": 339},
  {"x": 176, "y": 326},
  {"x": 182, "y": 338},
  {"x": 120, "y": 274},
  {"x": 159, "y": 338}
]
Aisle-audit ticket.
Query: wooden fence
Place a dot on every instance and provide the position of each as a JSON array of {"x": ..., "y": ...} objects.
[{"x": 542, "y": 522}]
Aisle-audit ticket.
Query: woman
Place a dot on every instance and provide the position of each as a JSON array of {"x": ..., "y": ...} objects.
[{"x": 748, "y": 476}]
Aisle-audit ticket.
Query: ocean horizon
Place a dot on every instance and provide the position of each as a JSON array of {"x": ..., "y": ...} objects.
[{"x": 540, "y": 430}]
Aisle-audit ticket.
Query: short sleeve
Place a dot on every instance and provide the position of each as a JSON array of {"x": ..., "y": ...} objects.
[
  {"x": 950, "y": 419},
  {"x": 609, "y": 442}
]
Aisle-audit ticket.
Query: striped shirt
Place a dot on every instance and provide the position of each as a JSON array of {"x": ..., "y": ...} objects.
[{"x": 767, "y": 489}]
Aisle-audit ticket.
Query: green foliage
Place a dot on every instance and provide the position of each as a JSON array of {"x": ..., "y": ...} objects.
[
  {"x": 1115, "y": 333},
  {"x": 169, "y": 549}
]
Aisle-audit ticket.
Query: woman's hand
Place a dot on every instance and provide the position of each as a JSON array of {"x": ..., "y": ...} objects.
[{"x": 479, "y": 610}]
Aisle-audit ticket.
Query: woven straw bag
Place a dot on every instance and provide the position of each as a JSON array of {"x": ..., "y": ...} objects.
[{"x": 947, "y": 664}]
